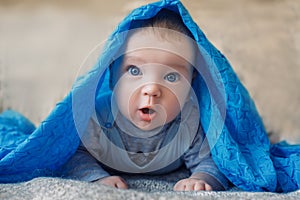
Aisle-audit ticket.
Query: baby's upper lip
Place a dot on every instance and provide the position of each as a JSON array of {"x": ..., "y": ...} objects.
[
  {"x": 147, "y": 109},
  {"x": 146, "y": 106}
]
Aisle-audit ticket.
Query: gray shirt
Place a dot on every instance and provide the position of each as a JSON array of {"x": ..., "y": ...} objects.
[{"x": 111, "y": 141}]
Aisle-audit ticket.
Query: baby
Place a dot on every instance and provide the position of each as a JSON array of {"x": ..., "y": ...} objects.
[{"x": 149, "y": 121}]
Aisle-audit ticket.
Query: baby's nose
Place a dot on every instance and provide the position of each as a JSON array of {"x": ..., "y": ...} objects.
[{"x": 152, "y": 89}]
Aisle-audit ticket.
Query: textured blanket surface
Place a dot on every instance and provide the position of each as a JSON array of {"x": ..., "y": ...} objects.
[{"x": 140, "y": 188}]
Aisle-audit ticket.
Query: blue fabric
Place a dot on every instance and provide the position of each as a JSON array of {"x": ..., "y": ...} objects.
[{"x": 240, "y": 149}]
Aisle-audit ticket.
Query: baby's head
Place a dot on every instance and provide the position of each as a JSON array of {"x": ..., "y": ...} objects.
[{"x": 152, "y": 80}]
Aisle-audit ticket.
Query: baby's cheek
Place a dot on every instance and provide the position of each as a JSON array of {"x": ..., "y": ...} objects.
[
  {"x": 173, "y": 109},
  {"x": 181, "y": 91}
]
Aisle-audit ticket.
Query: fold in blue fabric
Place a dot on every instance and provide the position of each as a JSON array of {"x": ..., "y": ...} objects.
[{"x": 240, "y": 146}]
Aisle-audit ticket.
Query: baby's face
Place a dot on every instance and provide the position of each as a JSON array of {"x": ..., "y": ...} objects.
[{"x": 153, "y": 82}]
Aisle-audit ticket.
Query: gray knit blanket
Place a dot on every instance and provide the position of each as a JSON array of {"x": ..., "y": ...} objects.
[{"x": 140, "y": 187}]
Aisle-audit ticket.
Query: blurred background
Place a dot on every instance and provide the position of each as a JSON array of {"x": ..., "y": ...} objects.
[{"x": 43, "y": 44}]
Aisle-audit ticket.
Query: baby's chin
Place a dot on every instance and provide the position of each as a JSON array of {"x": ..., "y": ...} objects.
[{"x": 147, "y": 126}]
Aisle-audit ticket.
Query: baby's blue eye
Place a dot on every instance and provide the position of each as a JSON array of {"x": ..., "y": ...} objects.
[
  {"x": 134, "y": 70},
  {"x": 172, "y": 77}
]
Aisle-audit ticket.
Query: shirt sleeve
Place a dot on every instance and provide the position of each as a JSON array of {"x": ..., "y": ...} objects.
[
  {"x": 198, "y": 160},
  {"x": 83, "y": 166}
]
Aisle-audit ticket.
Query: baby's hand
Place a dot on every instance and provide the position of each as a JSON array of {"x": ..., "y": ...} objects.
[
  {"x": 113, "y": 181},
  {"x": 192, "y": 184}
]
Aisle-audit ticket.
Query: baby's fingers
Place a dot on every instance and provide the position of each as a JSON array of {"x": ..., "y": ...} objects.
[
  {"x": 179, "y": 186},
  {"x": 192, "y": 185},
  {"x": 199, "y": 186},
  {"x": 113, "y": 181},
  {"x": 121, "y": 184},
  {"x": 185, "y": 185}
]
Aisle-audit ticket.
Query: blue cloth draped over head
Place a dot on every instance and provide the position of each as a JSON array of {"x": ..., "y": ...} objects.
[{"x": 239, "y": 146}]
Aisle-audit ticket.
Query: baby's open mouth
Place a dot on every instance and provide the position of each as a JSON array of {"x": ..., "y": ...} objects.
[
  {"x": 147, "y": 114},
  {"x": 148, "y": 111}
]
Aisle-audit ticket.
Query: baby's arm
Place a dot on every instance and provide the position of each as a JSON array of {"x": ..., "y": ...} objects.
[
  {"x": 205, "y": 174},
  {"x": 84, "y": 167}
]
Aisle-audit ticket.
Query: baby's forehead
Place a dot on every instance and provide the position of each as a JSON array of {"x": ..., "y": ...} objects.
[
  {"x": 155, "y": 57},
  {"x": 161, "y": 39}
]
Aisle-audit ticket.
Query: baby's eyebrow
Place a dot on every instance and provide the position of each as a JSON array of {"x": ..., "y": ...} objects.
[
  {"x": 134, "y": 58},
  {"x": 172, "y": 64}
]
